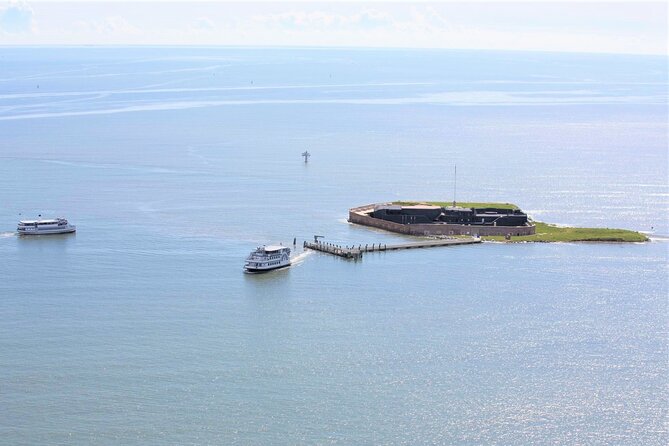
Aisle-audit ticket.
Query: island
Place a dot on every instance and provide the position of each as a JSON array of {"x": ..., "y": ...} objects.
[{"x": 503, "y": 222}]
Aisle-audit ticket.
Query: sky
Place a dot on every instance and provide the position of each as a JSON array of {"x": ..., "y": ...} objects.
[{"x": 569, "y": 26}]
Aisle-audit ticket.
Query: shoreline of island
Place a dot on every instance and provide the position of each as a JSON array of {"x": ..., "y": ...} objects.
[{"x": 489, "y": 221}]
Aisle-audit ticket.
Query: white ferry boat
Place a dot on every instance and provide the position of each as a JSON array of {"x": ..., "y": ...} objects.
[
  {"x": 267, "y": 258},
  {"x": 45, "y": 226}
]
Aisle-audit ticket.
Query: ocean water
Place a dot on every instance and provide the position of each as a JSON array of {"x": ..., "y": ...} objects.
[{"x": 175, "y": 163}]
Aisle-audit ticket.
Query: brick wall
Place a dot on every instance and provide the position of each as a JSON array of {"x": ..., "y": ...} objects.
[{"x": 359, "y": 215}]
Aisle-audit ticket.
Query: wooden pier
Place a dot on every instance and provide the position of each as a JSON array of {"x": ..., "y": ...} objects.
[{"x": 355, "y": 252}]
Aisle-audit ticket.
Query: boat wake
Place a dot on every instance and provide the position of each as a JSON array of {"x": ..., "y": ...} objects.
[
  {"x": 298, "y": 259},
  {"x": 7, "y": 234}
]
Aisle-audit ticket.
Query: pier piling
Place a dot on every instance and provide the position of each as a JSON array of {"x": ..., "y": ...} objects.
[{"x": 356, "y": 253}]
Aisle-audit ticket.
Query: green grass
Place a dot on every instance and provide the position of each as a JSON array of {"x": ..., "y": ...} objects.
[
  {"x": 550, "y": 233},
  {"x": 464, "y": 204},
  {"x": 546, "y": 232}
]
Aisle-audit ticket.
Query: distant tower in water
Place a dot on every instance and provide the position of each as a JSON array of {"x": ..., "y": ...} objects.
[{"x": 306, "y": 155}]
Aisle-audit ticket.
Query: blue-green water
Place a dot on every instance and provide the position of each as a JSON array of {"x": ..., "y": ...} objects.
[{"x": 175, "y": 163}]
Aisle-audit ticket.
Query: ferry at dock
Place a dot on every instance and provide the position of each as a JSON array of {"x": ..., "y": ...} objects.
[
  {"x": 267, "y": 258},
  {"x": 45, "y": 226}
]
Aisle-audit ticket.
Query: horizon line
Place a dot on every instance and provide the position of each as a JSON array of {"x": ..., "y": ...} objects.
[{"x": 322, "y": 47}]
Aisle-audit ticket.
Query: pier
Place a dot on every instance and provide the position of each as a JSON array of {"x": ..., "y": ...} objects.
[{"x": 355, "y": 252}]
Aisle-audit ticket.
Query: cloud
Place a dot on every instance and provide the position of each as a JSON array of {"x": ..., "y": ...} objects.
[
  {"x": 203, "y": 24},
  {"x": 371, "y": 18},
  {"x": 112, "y": 25},
  {"x": 17, "y": 18},
  {"x": 616, "y": 28},
  {"x": 322, "y": 20}
]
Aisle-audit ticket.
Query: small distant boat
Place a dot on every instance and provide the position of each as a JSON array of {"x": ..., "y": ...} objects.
[
  {"x": 267, "y": 258},
  {"x": 45, "y": 226}
]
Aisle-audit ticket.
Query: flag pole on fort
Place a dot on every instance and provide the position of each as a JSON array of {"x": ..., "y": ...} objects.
[{"x": 455, "y": 182}]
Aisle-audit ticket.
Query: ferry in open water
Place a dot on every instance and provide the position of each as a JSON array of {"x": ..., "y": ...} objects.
[
  {"x": 267, "y": 258},
  {"x": 45, "y": 226}
]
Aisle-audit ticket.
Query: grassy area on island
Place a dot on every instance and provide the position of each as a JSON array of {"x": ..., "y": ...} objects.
[
  {"x": 550, "y": 233},
  {"x": 462, "y": 204},
  {"x": 546, "y": 232}
]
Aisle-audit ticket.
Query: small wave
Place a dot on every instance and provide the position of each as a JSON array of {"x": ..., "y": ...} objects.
[
  {"x": 146, "y": 169},
  {"x": 184, "y": 105},
  {"x": 150, "y": 89},
  {"x": 7, "y": 234},
  {"x": 192, "y": 151}
]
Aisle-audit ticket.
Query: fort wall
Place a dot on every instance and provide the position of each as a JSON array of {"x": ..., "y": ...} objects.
[{"x": 360, "y": 215}]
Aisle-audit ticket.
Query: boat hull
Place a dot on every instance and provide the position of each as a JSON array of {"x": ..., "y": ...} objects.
[
  {"x": 67, "y": 230},
  {"x": 264, "y": 270}
]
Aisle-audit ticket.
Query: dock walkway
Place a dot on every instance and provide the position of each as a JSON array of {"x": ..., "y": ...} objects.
[{"x": 353, "y": 252}]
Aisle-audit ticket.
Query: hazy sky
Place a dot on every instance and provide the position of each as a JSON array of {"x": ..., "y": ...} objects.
[{"x": 613, "y": 27}]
